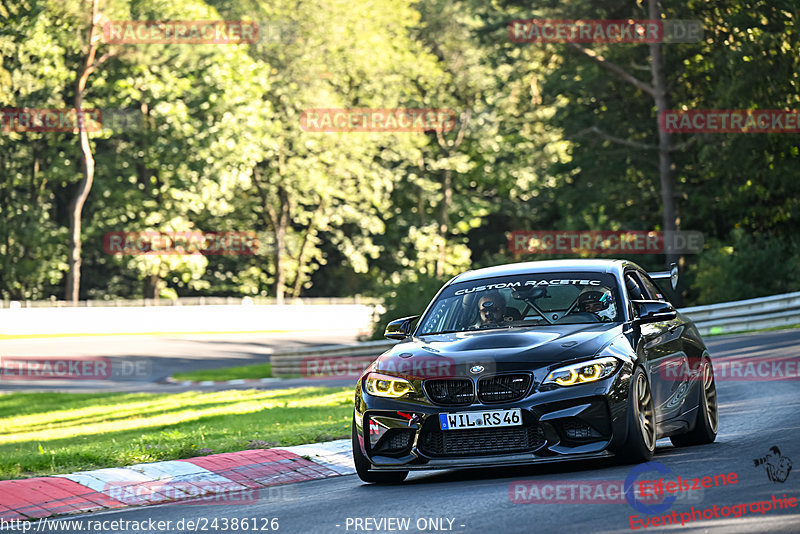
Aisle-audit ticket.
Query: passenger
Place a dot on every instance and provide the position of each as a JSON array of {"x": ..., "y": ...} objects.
[{"x": 598, "y": 303}]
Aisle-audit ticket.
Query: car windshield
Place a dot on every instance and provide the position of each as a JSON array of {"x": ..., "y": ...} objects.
[{"x": 524, "y": 301}]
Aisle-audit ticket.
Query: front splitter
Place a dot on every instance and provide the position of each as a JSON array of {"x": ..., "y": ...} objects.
[{"x": 492, "y": 461}]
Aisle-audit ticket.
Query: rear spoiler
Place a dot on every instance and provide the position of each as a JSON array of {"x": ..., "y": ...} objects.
[{"x": 671, "y": 275}]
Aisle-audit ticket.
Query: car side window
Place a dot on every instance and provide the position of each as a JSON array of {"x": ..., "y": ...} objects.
[{"x": 438, "y": 318}]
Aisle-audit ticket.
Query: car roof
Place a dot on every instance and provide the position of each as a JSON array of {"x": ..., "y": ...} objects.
[{"x": 545, "y": 266}]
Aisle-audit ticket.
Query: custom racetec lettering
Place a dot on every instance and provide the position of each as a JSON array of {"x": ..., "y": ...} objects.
[
  {"x": 529, "y": 283},
  {"x": 501, "y": 285}
]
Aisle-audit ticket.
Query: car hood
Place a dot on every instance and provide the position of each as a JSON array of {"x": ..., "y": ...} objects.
[{"x": 498, "y": 350}]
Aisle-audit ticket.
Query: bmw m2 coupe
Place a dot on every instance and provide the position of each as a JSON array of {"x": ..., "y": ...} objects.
[{"x": 535, "y": 362}]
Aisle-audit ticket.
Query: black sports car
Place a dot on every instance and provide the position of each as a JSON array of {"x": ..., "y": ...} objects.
[{"x": 535, "y": 362}]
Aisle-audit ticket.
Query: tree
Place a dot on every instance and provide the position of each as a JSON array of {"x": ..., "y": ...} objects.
[
  {"x": 90, "y": 63},
  {"x": 658, "y": 91},
  {"x": 336, "y": 184},
  {"x": 32, "y": 75}
]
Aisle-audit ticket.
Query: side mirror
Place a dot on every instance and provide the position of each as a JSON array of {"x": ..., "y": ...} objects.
[
  {"x": 652, "y": 311},
  {"x": 400, "y": 328}
]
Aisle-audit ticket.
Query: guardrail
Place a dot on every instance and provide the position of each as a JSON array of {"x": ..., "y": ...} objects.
[
  {"x": 288, "y": 363},
  {"x": 744, "y": 315},
  {"x": 723, "y": 318}
]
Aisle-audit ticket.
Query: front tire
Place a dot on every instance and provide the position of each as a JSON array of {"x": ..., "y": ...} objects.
[
  {"x": 707, "y": 422},
  {"x": 641, "y": 441},
  {"x": 363, "y": 465}
]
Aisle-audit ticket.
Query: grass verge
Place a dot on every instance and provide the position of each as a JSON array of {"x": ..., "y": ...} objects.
[
  {"x": 770, "y": 329},
  {"x": 51, "y": 433},
  {"x": 259, "y": 370}
]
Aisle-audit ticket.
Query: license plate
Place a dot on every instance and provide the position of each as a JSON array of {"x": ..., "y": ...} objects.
[{"x": 490, "y": 419}]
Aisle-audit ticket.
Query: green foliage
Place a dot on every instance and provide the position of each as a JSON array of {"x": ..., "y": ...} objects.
[
  {"x": 405, "y": 298},
  {"x": 751, "y": 266},
  {"x": 219, "y": 147}
]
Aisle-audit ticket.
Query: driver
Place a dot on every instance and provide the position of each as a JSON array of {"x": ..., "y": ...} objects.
[
  {"x": 492, "y": 309},
  {"x": 598, "y": 303}
]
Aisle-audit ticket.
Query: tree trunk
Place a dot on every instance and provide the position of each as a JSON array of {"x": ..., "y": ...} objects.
[
  {"x": 75, "y": 211},
  {"x": 301, "y": 256},
  {"x": 153, "y": 285},
  {"x": 447, "y": 149},
  {"x": 444, "y": 215},
  {"x": 278, "y": 221},
  {"x": 280, "y": 244},
  {"x": 87, "y": 169},
  {"x": 658, "y": 91},
  {"x": 665, "y": 165}
]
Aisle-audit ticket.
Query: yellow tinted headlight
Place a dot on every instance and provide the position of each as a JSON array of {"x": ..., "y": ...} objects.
[
  {"x": 580, "y": 373},
  {"x": 382, "y": 385}
]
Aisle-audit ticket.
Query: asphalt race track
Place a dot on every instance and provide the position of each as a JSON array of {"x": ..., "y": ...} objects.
[
  {"x": 142, "y": 363},
  {"x": 754, "y": 416}
]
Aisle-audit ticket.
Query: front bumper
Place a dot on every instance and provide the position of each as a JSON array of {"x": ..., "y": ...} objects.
[
  {"x": 570, "y": 423},
  {"x": 492, "y": 461}
]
